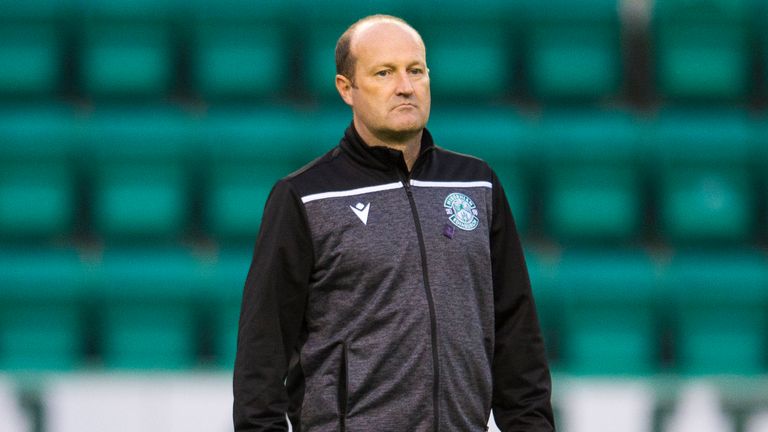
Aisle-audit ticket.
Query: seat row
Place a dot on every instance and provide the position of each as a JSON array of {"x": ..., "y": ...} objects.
[
  {"x": 689, "y": 50},
  {"x": 603, "y": 311},
  {"x": 157, "y": 174}
]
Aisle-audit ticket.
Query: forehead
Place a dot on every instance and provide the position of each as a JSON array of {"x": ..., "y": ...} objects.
[{"x": 386, "y": 41}]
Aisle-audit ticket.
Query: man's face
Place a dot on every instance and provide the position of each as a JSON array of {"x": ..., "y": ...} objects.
[{"x": 389, "y": 93}]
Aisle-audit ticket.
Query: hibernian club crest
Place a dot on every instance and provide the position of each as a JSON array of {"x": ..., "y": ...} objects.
[{"x": 461, "y": 211}]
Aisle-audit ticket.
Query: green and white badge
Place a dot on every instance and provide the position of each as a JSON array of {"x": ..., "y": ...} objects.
[{"x": 461, "y": 211}]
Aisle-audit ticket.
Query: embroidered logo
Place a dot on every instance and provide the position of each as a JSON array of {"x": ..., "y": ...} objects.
[
  {"x": 361, "y": 210},
  {"x": 461, "y": 211}
]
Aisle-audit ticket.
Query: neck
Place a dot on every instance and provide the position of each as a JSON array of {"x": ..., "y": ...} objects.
[{"x": 410, "y": 145}]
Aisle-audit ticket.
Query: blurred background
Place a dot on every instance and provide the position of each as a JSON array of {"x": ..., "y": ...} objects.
[{"x": 140, "y": 138}]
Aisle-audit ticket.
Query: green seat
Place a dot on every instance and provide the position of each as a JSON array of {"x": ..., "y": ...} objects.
[
  {"x": 760, "y": 158},
  {"x": 221, "y": 300},
  {"x": 147, "y": 314},
  {"x": 592, "y": 177},
  {"x": 321, "y": 26},
  {"x": 702, "y": 49},
  {"x": 703, "y": 177},
  {"x": 573, "y": 53},
  {"x": 249, "y": 150},
  {"x": 139, "y": 173},
  {"x": 542, "y": 271},
  {"x": 498, "y": 136},
  {"x": 31, "y": 51},
  {"x": 470, "y": 48},
  {"x": 241, "y": 49},
  {"x": 37, "y": 177},
  {"x": 41, "y": 319},
  {"x": 127, "y": 49},
  {"x": 720, "y": 311},
  {"x": 609, "y": 321},
  {"x": 758, "y": 22}
]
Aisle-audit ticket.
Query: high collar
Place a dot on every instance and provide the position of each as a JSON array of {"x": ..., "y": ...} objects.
[{"x": 380, "y": 157}]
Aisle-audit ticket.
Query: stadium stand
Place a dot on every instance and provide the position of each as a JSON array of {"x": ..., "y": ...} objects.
[
  {"x": 241, "y": 49},
  {"x": 719, "y": 311},
  {"x": 703, "y": 162},
  {"x": 32, "y": 52},
  {"x": 573, "y": 53},
  {"x": 609, "y": 324},
  {"x": 247, "y": 152},
  {"x": 593, "y": 173},
  {"x": 41, "y": 321},
  {"x": 220, "y": 301},
  {"x": 550, "y": 303},
  {"x": 702, "y": 49},
  {"x": 472, "y": 54},
  {"x": 127, "y": 48},
  {"x": 139, "y": 141},
  {"x": 145, "y": 300},
  {"x": 38, "y": 179},
  {"x": 139, "y": 172}
]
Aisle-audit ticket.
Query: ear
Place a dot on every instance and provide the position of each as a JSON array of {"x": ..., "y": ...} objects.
[{"x": 344, "y": 86}]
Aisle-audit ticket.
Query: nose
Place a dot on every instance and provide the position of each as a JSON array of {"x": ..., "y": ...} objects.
[{"x": 404, "y": 84}]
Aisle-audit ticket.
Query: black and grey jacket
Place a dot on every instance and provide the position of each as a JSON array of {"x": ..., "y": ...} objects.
[{"x": 388, "y": 301}]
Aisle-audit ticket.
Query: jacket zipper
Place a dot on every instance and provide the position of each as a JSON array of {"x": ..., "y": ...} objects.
[{"x": 433, "y": 321}]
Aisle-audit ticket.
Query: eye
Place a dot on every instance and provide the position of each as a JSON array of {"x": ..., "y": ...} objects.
[
  {"x": 383, "y": 73},
  {"x": 417, "y": 71}
]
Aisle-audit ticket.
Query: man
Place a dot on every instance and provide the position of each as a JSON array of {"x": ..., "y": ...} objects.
[{"x": 388, "y": 289}]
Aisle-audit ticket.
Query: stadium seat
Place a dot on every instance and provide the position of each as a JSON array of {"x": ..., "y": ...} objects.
[
  {"x": 138, "y": 167},
  {"x": 471, "y": 48},
  {"x": 127, "y": 49},
  {"x": 704, "y": 183},
  {"x": 609, "y": 320},
  {"x": 593, "y": 183},
  {"x": 719, "y": 311},
  {"x": 37, "y": 177},
  {"x": 542, "y": 271},
  {"x": 323, "y": 24},
  {"x": 702, "y": 49},
  {"x": 147, "y": 315},
  {"x": 32, "y": 51},
  {"x": 221, "y": 299},
  {"x": 13, "y": 416},
  {"x": 573, "y": 53},
  {"x": 758, "y": 23},
  {"x": 498, "y": 136},
  {"x": 759, "y": 156},
  {"x": 241, "y": 49},
  {"x": 146, "y": 402},
  {"x": 248, "y": 151},
  {"x": 41, "y": 327}
]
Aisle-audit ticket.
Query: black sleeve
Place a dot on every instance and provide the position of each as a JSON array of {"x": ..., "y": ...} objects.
[
  {"x": 521, "y": 379},
  {"x": 274, "y": 300}
]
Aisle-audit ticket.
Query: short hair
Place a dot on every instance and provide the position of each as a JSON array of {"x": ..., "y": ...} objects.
[{"x": 345, "y": 61}]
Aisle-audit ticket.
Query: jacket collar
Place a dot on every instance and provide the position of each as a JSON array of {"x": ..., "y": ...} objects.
[{"x": 379, "y": 157}]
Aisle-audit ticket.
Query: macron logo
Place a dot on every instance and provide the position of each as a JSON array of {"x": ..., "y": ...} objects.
[{"x": 361, "y": 211}]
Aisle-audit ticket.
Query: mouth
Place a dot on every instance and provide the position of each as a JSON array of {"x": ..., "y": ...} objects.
[{"x": 405, "y": 105}]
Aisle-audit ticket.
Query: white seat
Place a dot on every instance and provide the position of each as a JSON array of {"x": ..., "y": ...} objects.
[
  {"x": 146, "y": 403},
  {"x": 597, "y": 406},
  {"x": 757, "y": 422},
  {"x": 12, "y": 416},
  {"x": 699, "y": 410}
]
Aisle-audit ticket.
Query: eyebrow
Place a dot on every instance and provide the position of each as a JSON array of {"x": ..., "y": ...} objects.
[{"x": 394, "y": 66}]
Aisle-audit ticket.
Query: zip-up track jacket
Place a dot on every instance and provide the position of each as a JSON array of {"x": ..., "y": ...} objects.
[{"x": 388, "y": 301}]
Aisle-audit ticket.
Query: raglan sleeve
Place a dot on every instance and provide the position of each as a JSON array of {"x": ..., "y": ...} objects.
[
  {"x": 272, "y": 311},
  {"x": 521, "y": 377}
]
